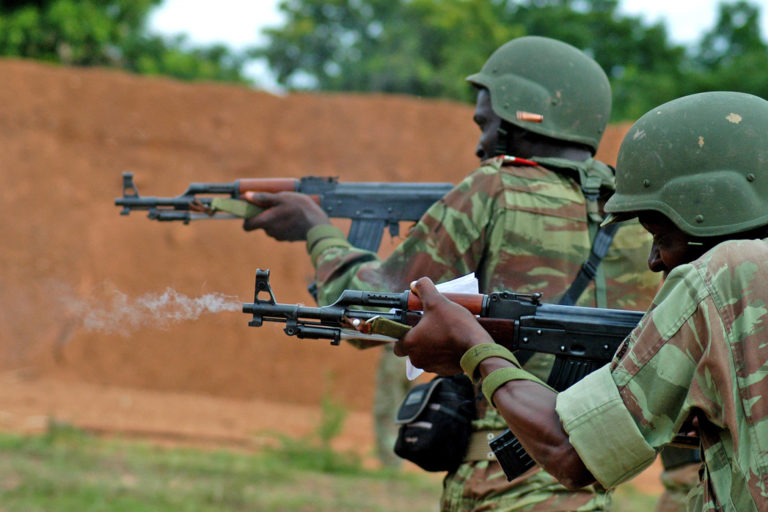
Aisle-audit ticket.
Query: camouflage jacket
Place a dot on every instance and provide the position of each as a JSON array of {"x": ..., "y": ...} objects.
[
  {"x": 519, "y": 228},
  {"x": 699, "y": 351}
]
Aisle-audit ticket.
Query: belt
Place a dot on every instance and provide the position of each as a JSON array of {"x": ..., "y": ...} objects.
[{"x": 478, "y": 448}]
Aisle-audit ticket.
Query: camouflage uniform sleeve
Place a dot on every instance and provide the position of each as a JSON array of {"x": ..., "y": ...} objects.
[
  {"x": 601, "y": 429},
  {"x": 620, "y": 416},
  {"x": 447, "y": 242}
]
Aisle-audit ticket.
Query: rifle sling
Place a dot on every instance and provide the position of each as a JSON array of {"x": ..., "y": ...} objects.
[
  {"x": 589, "y": 268},
  {"x": 588, "y": 271}
]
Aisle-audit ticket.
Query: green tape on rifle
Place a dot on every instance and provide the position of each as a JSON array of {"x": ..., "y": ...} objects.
[
  {"x": 236, "y": 207},
  {"x": 387, "y": 327}
]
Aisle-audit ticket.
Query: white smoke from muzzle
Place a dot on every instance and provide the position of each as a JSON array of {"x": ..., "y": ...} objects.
[{"x": 117, "y": 313}]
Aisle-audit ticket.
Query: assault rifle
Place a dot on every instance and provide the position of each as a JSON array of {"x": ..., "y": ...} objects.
[
  {"x": 582, "y": 339},
  {"x": 371, "y": 206}
]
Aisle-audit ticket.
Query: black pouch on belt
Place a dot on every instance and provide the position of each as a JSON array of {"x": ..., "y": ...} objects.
[{"x": 435, "y": 421}]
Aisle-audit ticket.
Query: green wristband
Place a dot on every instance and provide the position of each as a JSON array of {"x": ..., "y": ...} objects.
[
  {"x": 322, "y": 237},
  {"x": 321, "y": 232},
  {"x": 498, "y": 378},
  {"x": 326, "y": 243},
  {"x": 475, "y": 355}
]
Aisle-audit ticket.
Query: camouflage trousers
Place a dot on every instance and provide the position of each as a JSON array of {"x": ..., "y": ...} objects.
[
  {"x": 678, "y": 484},
  {"x": 482, "y": 486}
]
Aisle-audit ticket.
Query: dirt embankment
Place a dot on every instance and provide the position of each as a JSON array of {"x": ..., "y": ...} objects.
[{"x": 66, "y": 135}]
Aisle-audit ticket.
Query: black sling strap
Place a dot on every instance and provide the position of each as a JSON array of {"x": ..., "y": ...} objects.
[
  {"x": 587, "y": 273},
  {"x": 588, "y": 270}
]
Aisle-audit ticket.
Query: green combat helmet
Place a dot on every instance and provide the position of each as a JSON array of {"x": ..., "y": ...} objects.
[
  {"x": 701, "y": 160},
  {"x": 548, "y": 87}
]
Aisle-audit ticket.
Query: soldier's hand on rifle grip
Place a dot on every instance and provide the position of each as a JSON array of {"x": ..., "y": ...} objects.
[
  {"x": 443, "y": 334},
  {"x": 287, "y": 217}
]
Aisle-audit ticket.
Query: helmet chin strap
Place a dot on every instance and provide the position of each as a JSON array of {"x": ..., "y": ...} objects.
[{"x": 502, "y": 139}]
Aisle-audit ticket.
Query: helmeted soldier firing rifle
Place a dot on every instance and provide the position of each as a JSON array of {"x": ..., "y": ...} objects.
[
  {"x": 583, "y": 339},
  {"x": 372, "y": 207}
]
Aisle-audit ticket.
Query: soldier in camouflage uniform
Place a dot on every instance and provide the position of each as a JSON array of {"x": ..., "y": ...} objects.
[
  {"x": 518, "y": 224},
  {"x": 694, "y": 171}
]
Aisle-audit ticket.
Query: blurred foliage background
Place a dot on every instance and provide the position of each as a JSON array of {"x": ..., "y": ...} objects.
[
  {"x": 109, "y": 33},
  {"x": 417, "y": 47}
]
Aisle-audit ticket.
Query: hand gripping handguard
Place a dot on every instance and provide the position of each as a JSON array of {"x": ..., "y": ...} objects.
[{"x": 372, "y": 207}]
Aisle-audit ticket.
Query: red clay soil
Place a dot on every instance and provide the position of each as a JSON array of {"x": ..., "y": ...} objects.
[{"x": 66, "y": 135}]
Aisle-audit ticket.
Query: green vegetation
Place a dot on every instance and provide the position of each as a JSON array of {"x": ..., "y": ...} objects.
[
  {"x": 315, "y": 453},
  {"x": 427, "y": 47},
  {"x": 108, "y": 33},
  {"x": 67, "y": 470},
  {"x": 417, "y": 47}
]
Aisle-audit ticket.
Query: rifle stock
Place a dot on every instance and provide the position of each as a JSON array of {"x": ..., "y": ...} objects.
[{"x": 372, "y": 207}]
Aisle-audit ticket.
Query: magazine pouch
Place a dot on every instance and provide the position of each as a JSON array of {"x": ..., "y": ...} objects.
[{"x": 435, "y": 421}]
